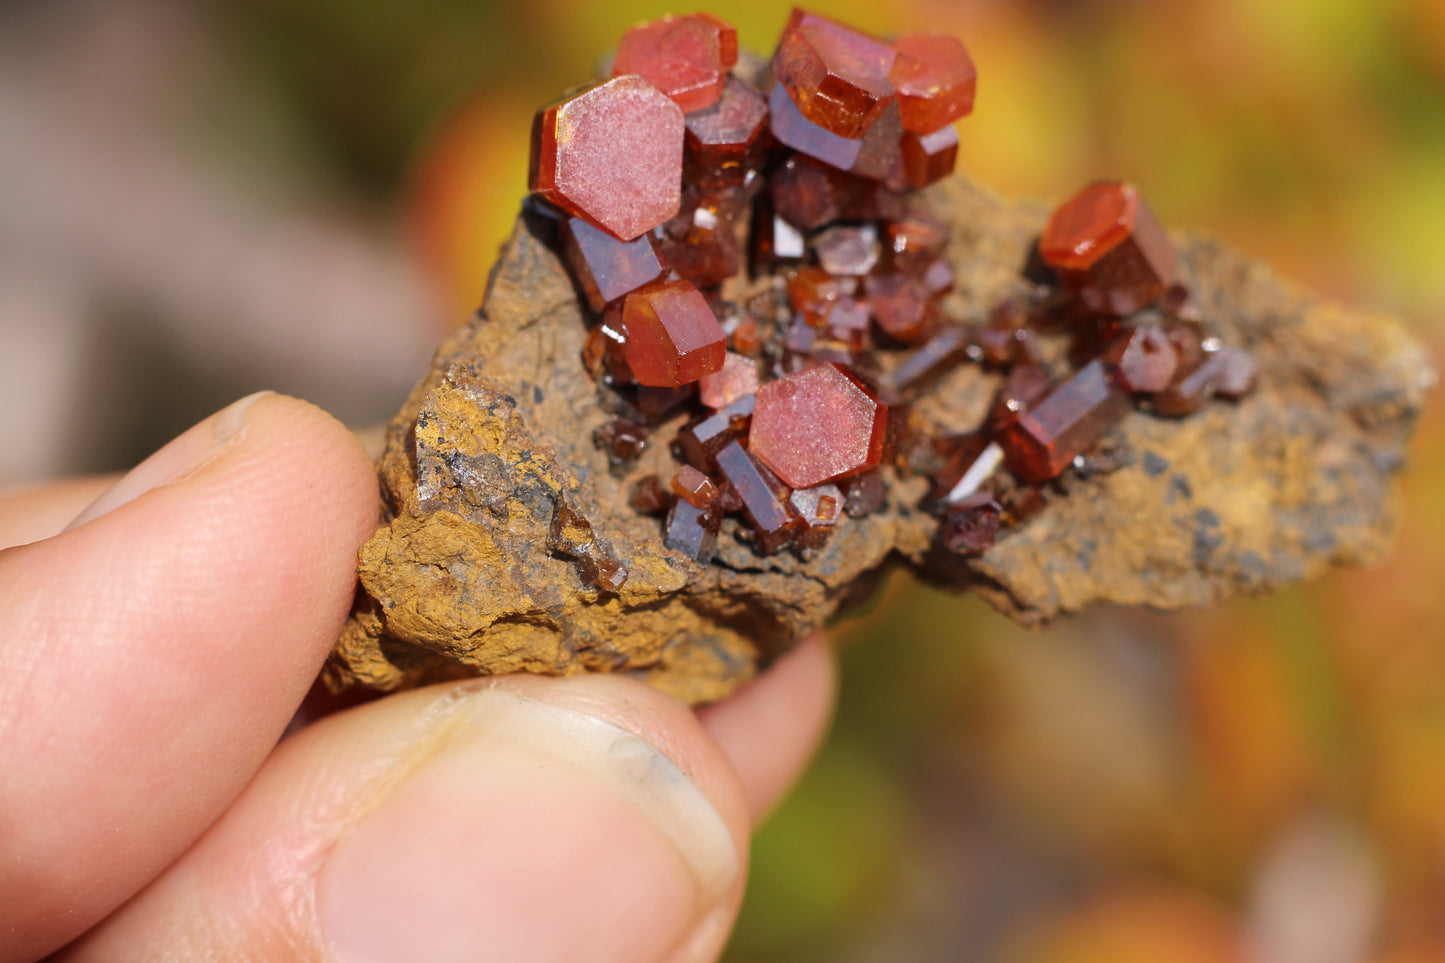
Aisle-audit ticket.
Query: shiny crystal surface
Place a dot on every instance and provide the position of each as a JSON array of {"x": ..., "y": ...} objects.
[
  {"x": 1046, "y": 438},
  {"x": 687, "y": 57},
  {"x": 726, "y": 140},
  {"x": 817, "y": 425},
  {"x": 673, "y": 338},
  {"x": 1106, "y": 245},
  {"x": 606, "y": 268},
  {"x": 936, "y": 80},
  {"x": 929, "y": 157},
  {"x": 693, "y": 485},
  {"x": 837, "y": 76},
  {"x": 1142, "y": 359},
  {"x": 737, "y": 378},
  {"x": 611, "y": 154}
]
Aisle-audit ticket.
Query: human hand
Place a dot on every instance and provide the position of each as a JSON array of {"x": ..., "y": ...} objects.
[{"x": 153, "y": 654}]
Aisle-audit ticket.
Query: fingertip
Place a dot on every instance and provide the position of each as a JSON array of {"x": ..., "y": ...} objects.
[{"x": 771, "y": 728}]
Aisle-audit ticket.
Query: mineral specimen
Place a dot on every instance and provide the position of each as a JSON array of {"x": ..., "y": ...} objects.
[{"x": 1050, "y": 410}]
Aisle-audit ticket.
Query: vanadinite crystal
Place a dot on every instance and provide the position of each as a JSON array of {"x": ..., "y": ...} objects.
[
  {"x": 782, "y": 378},
  {"x": 836, "y": 75},
  {"x": 687, "y": 58},
  {"x": 1106, "y": 244},
  {"x": 605, "y": 267},
  {"x": 727, "y": 140},
  {"x": 611, "y": 154},
  {"x": 936, "y": 81},
  {"x": 1045, "y": 439},
  {"x": 673, "y": 337},
  {"x": 817, "y": 425}
]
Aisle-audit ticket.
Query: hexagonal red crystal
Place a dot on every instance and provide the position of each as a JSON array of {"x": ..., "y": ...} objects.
[
  {"x": 1106, "y": 244},
  {"x": 817, "y": 425},
  {"x": 836, "y": 75},
  {"x": 929, "y": 157},
  {"x": 687, "y": 58},
  {"x": 723, "y": 142},
  {"x": 611, "y": 154},
  {"x": 936, "y": 81},
  {"x": 1142, "y": 359},
  {"x": 737, "y": 377},
  {"x": 673, "y": 338}
]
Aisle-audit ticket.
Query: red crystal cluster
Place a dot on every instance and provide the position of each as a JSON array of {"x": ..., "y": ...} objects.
[{"x": 762, "y": 269}]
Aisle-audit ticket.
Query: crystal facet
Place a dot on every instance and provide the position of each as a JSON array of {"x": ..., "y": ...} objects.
[
  {"x": 673, "y": 338},
  {"x": 611, "y": 154},
  {"x": 1106, "y": 245},
  {"x": 1046, "y": 438},
  {"x": 687, "y": 58},
  {"x": 725, "y": 141},
  {"x": 936, "y": 81},
  {"x": 817, "y": 425},
  {"x": 836, "y": 75},
  {"x": 605, "y": 267}
]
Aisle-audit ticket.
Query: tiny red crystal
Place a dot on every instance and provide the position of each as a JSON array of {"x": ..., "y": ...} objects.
[{"x": 1046, "y": 438}]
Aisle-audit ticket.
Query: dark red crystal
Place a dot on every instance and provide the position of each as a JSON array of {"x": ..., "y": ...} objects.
[
  {"x": 693, "y": 485},
  {"x": 1046, "y": 438},
  {"x": 622, "y": 440},
  {"x": 692, "y": 531},
  {"x": 837, "y": 76},
  {"x": 606, "y": 268},
  {"x": 971, "y": 527},
  {"x": 928, "y": 158},
  {"x": 726, "y": 141},
  {"x": 1142, "y": 359},
  {"x": 649, "y": 496},
  {"x": 765, "y": 512},
  {"x": 792, "y": 129},
  {"x": 1106, "y": 245},
  {"x": 700, "y": 441}
]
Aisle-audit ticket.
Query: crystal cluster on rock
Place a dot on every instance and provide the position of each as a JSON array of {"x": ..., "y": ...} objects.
[{"x": 795, "y": 402}]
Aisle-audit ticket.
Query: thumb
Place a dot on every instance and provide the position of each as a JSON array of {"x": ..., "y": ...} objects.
[{"x": 523, "y": 819}]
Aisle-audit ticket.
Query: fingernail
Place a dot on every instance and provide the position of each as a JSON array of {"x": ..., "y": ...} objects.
[
  {"x": 528, "y": 832},
  {"x": 183, "y": 456}
]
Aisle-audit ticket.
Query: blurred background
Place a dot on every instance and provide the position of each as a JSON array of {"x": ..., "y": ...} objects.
[{"x": 201, "y": 199}]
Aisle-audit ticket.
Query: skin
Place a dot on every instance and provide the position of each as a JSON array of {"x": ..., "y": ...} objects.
[{"x": 166, "y": 795}]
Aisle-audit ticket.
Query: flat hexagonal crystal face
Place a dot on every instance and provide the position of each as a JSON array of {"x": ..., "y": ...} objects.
[
  {"x": 687, "y": 57},
  {"x": 836, "y": 75},
  {"x": 817, "y": 425},
  {"x": 1106, "y": 245},
  {"x": 673, "y": 338},
  {"x": 936, "y": 81},
  {"x": 726, "y": 140},
  {"x": 612, "y": 155}
]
